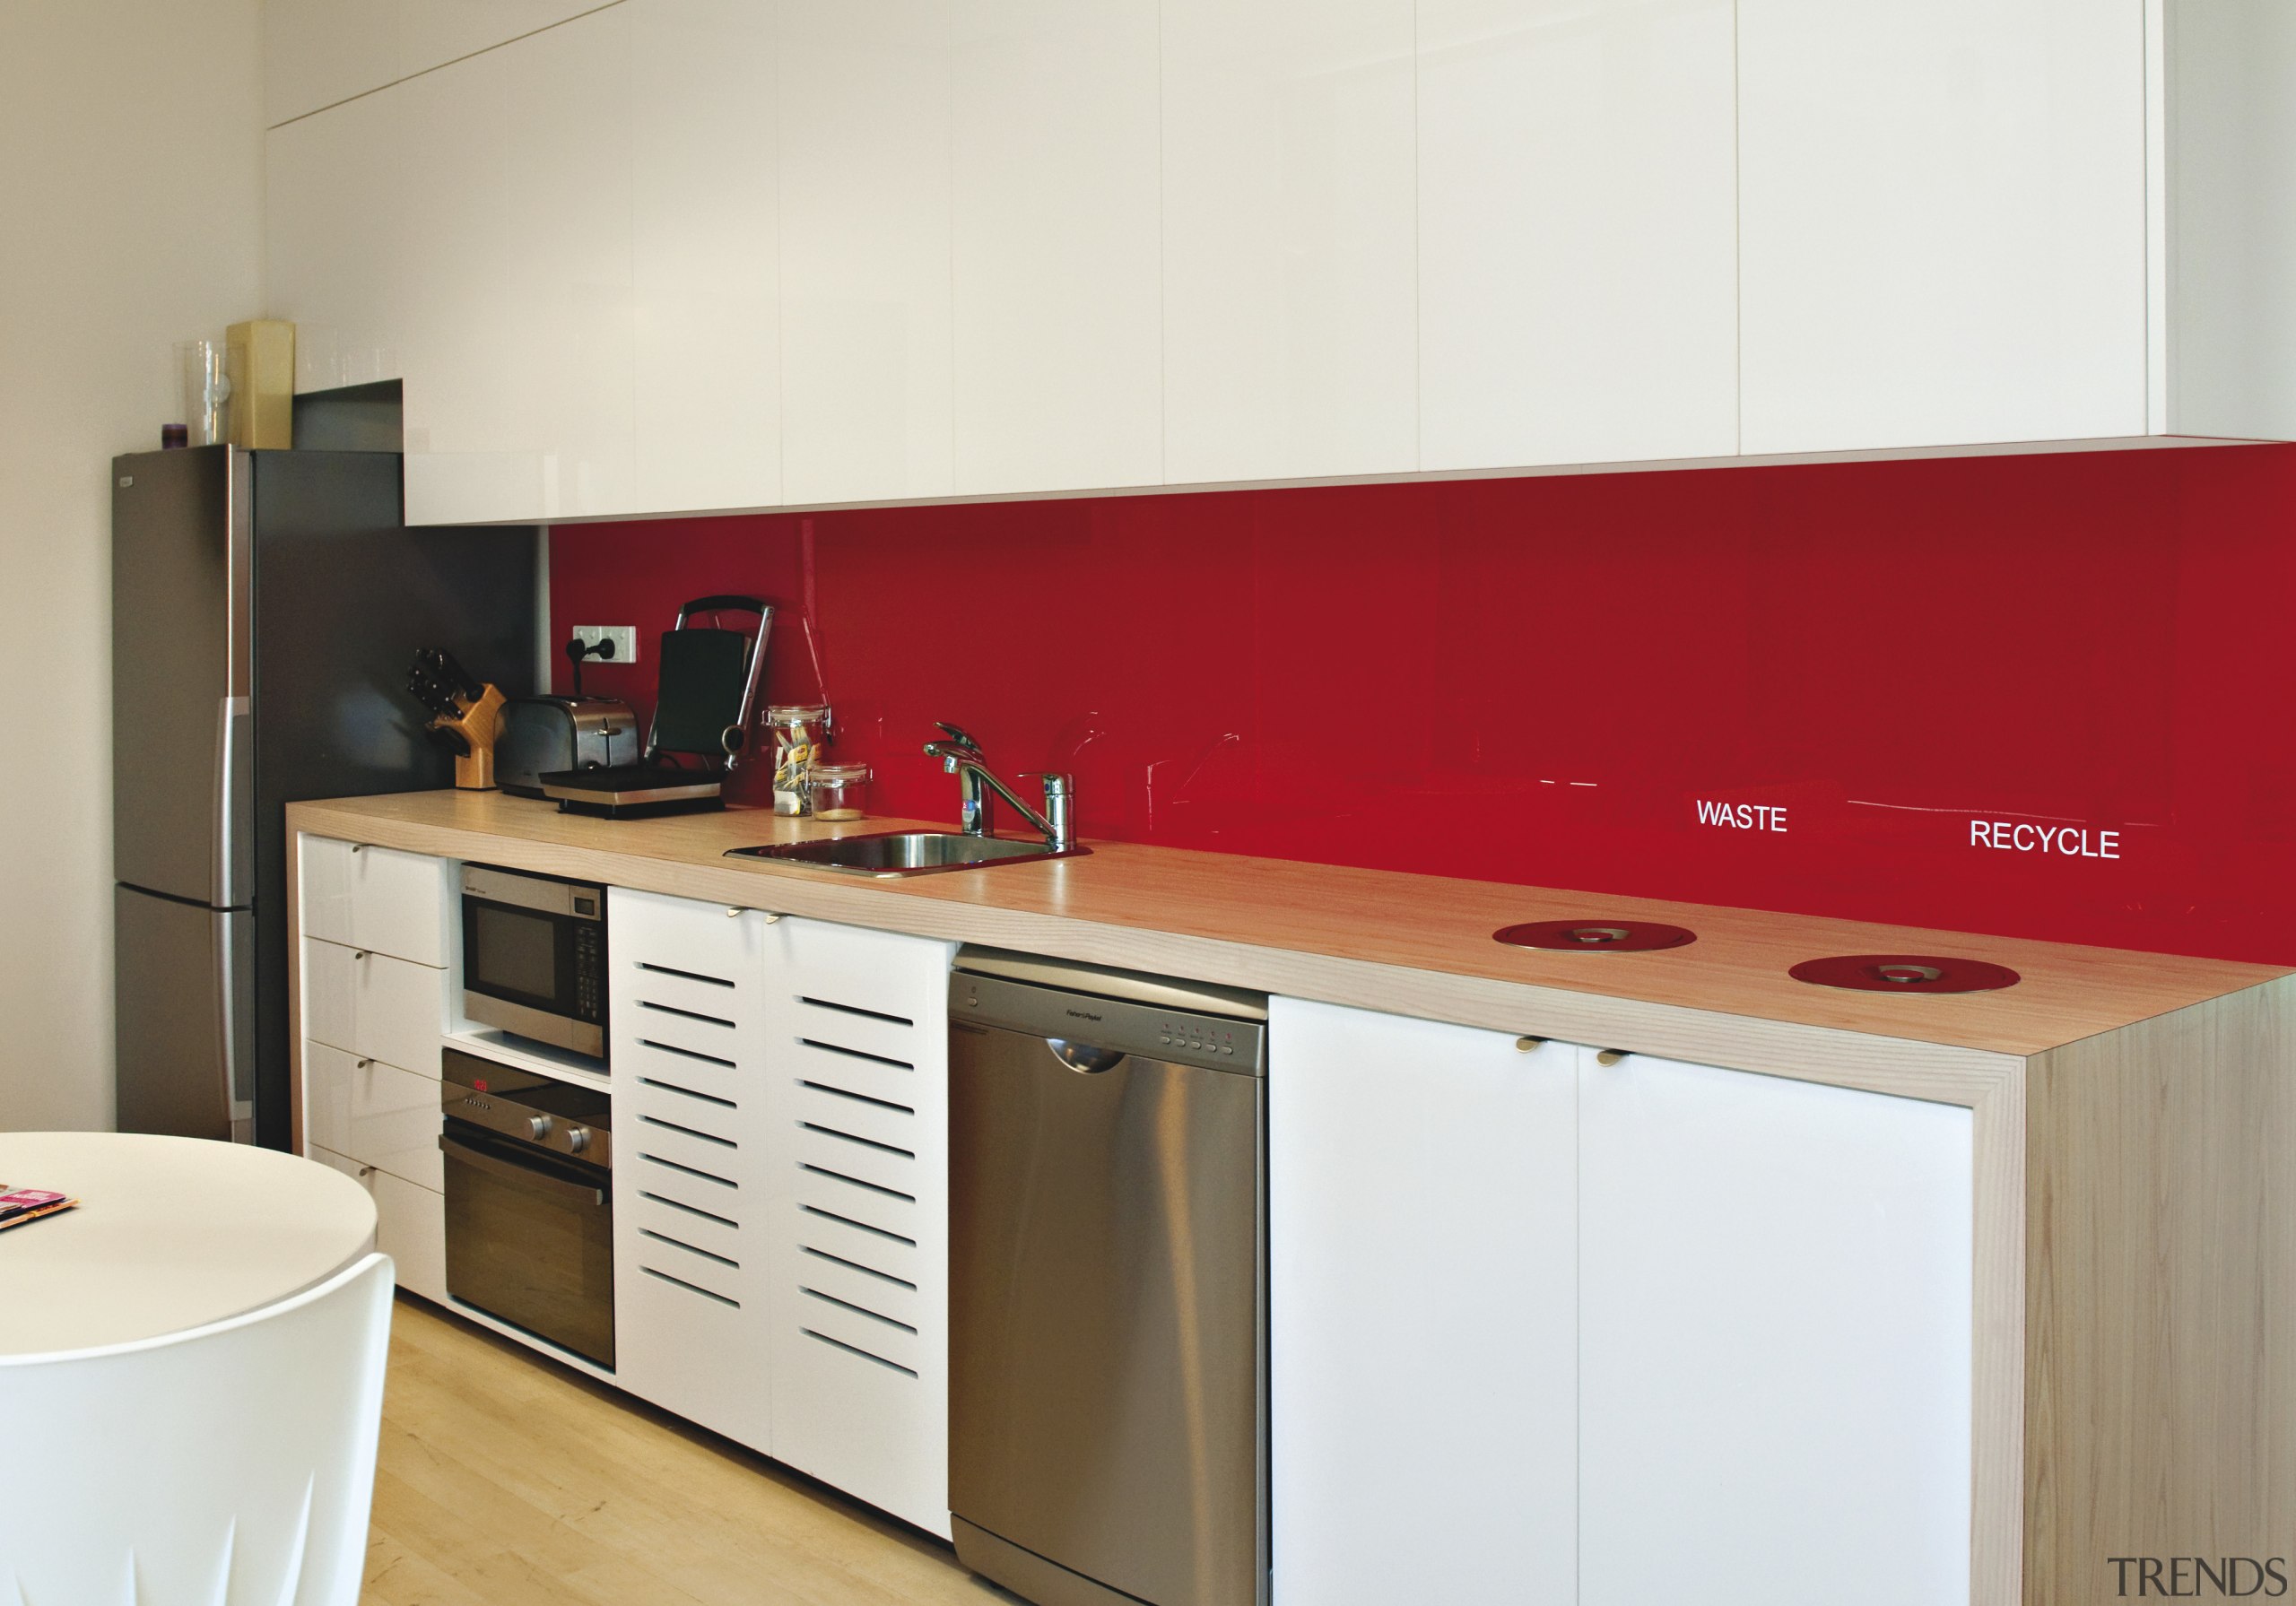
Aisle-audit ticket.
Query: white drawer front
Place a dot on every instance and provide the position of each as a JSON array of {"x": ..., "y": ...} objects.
[
  {"x": 400, "y": 904},
  {"x": 377, "y": 898},
  {"x": 330, "y": 994},
  {"x": 373, "y": 1113},
  {"x": 373, "y": 1006},
  {"x": 410, "y": 1223},
  {"x": 412, "y": 1229},
  {"x": 324, "y": 882},
  {"x": 401, "y": 1012}
]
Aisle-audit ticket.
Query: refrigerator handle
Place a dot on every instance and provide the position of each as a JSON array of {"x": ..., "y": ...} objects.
[
  {"x": 227, "y": 1025},
  {"x": 231, "y": 758}
]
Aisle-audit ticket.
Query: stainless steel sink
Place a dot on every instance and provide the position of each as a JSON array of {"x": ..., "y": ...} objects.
[{"x": 906, "y": 853}]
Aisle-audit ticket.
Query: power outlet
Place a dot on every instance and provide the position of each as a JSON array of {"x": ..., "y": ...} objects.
[{"x": 623, "y": 637}]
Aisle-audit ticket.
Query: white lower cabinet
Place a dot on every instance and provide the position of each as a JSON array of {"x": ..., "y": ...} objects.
[
  {"x": 1547, "y": 1329},
  {"x": 859, "y": 1245},
  {"x": 374, "y": 1004},
  {"x": 1775, "y": 1287},
  {"x": 1422, "y": 1219},
  {"x": 780, "y": 1177},
  {"x": 685, "y": 997}
]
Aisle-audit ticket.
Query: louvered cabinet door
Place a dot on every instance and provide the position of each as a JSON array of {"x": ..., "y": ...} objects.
[
  {"x": 859, "y": 1302},
  {"x": 691, "y": 1106}
]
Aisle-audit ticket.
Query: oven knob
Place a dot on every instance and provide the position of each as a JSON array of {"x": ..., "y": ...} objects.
[
  {"x": 578, "y": 1139},
  {"x": 538, "y": 1127}
]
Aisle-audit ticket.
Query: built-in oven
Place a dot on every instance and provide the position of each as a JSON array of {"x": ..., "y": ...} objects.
[
  {"x": 530, "y": 1201},
  {"x": 535, "y": 957}
]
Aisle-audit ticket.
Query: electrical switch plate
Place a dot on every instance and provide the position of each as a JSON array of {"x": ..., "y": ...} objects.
[{"x": 623, "y": 637}]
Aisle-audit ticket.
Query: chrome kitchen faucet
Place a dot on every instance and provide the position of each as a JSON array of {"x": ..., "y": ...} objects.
[{"x": 978, "y": 789}]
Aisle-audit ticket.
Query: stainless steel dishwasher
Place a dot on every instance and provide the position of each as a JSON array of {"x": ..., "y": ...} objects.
[{"x": 1107, "y": 1284}]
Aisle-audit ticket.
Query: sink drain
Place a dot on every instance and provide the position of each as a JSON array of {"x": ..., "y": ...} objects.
[
  {"x": 1904, "y": 973},
  {"x": 1596, "y": 936}
]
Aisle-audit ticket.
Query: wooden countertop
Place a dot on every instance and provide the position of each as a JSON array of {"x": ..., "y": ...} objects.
[{"x": 1414, "y": 944}]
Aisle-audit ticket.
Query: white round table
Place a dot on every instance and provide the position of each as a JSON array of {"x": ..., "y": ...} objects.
[{"x": 170, "y": 1234}]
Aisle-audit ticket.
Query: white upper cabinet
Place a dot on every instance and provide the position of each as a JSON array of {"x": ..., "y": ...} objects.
[
  {"x": 2224, "y": 354},
  {"x": 465, "y": 384},
  {"x": 1577, "y": 231},
  {"x": 319, "y": 52},
  {"x": 705, "y": 254},
  {"x": 1290, "y": 265},
  {"x": 865, "y": 330},
  {"x": 678, "y": 254},
  {"x": 335, "y": 226},
  {"x": 521, "y": 365},
  {"x": 1058, "y": 276},
  {"x": 1943, "y": 217}
]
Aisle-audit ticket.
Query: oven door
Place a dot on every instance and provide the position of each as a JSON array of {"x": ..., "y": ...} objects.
[
  {"x": 535, "y": 970},
  {"x": 530, "y": 1240}
]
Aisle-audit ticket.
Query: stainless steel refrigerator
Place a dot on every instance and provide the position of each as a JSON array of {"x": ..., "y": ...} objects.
[{"x": 264, "y": 608}]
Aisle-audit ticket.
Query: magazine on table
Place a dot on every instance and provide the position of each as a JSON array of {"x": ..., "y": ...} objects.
[{"x": 19, "y": 1205}]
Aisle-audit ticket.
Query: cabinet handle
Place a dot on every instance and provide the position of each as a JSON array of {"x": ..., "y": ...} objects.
[
  {"x": 1526, "y": 1045},
  {"x": 366, "y": 1171},
  {"x": 734, "y": 914},
  {"x": 359, "y": 953},
  {"x": 359, "y": 848},
  {"x": 1610, "y": 1057},
  {"x": 364, "y": 1064}
]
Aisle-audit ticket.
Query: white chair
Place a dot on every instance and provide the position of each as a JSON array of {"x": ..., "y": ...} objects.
[{"x": 229, "y": 1465}]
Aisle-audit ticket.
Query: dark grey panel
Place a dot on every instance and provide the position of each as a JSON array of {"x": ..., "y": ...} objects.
[
  {"x": 357, "y": 418},
  {"x": 178, "y": 662},
  {"x": 344, "y": 595},
  {"x": 183, "y": 974}
]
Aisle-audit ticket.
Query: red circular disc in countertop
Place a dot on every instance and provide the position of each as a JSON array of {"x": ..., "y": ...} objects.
[
  {"x": 1596, "y": 935},
  {"x": 1904, "y": 973}
]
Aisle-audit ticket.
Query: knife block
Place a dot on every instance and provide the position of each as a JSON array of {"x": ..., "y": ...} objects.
[{"x": 477, "y": 725}]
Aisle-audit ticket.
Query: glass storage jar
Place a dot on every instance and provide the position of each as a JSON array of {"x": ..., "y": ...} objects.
[
  {"x": 839, "y": 791},
  {"x": 799, "y": 729}
]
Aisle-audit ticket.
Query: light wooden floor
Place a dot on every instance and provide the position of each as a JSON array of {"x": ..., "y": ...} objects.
[{"x": 507, "y": 1480}]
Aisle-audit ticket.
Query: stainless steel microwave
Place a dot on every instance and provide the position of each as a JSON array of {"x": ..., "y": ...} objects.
[{"x": 535, "y": 957}]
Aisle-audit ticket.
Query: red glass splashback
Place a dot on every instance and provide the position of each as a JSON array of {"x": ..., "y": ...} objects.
[{"x": 2045, "y": 696}]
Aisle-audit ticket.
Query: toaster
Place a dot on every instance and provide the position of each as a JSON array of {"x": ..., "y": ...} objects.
[{"x": 538, "y": 735}]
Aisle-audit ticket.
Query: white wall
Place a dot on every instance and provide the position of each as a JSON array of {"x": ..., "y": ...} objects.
[{"x": 131, "y": 189}]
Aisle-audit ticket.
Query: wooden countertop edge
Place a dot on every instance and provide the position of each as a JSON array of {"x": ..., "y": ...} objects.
[{"x": 1906, "y": 1066}]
